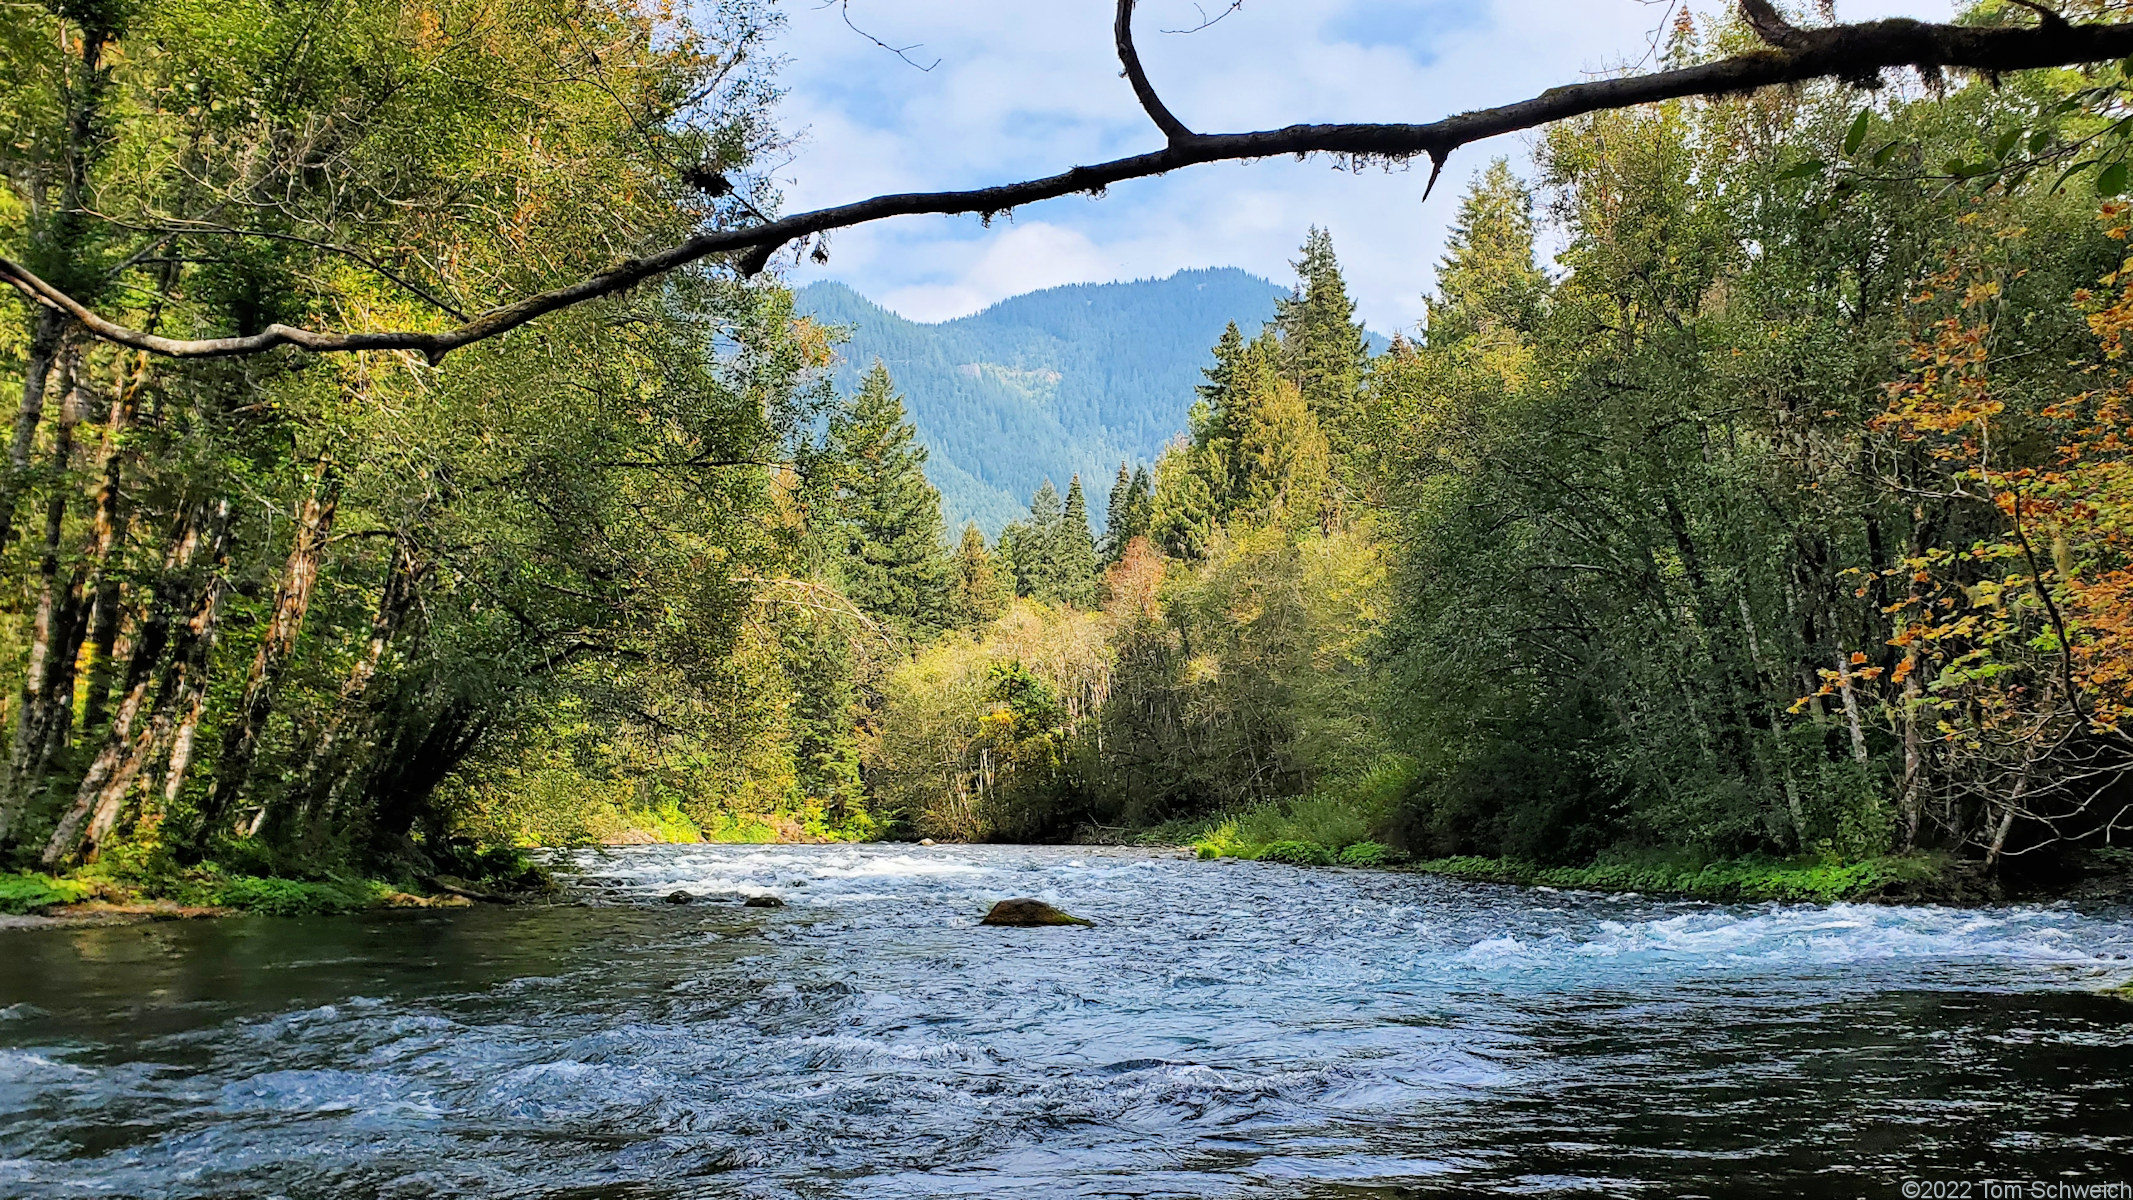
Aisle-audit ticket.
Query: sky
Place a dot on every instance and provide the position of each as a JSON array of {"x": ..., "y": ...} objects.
[{"x": 1019, "y": 88}]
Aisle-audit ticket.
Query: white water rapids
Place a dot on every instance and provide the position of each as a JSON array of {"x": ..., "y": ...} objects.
[{"x": 1226, "y": 1029}]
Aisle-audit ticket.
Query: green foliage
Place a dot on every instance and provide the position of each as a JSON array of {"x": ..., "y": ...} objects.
[
  {"x": 891, "y": 558},
  {"x": 980, "y": 595},
  {"x": 1129, "y": 513},
  {"x": 1053, "y": 553},
  {"x": 1372, "y": 854},
  {"x": 290, "y": 897},
  {"x": 23, "y": 892},
  {"x": 1731, "y": 881},
  {"x": 1323, "y": 352},
  {"x": 1295, "y": 853}
]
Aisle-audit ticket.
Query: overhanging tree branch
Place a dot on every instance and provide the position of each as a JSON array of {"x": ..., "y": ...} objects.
[
  {"x": 1130, "y": 59},
  {"x": 1855, "y": 52}
]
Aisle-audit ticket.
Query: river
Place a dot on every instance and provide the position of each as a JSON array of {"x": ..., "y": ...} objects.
[{"x": 1227, "y": 1029}]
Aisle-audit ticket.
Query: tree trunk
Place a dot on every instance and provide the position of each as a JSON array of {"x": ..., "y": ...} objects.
[
  {"x": 1851, "y": 706},
  {"x": 100, "y": 589},
  {"x": 50, "y": 634},
  {"x": 125, "y": 753},
  {"x": 292, "y": 598},
  {"x": 179, "y": 703},
  {"x": 45, "y": 340},
  {"x": 402, "y": 577}
]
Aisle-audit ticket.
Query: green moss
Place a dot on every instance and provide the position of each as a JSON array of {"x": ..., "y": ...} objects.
[{"x": 28, "y": 891}]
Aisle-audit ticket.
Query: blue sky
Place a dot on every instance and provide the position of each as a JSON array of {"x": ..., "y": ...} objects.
[{"x": 1028, "y": 87}]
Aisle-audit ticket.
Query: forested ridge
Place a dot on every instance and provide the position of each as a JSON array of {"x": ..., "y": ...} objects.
[
  {"x": 1045, "y": 384},
  {"x": 1781, "y": 517}
]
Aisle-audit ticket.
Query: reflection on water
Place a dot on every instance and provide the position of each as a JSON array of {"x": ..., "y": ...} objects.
[{"x": 1228, "y": 1029}]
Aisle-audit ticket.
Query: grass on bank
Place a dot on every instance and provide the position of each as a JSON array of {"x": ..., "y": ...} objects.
[
  {"x": 1339, "y": 827},
  {"x": 205, "y": 887},
  {"x": 248, "y": 881}
]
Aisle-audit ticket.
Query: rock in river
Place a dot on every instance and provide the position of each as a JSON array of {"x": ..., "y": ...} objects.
[
  {"x": 1025, "y": 912},
  {"x": 762, "y": 902},
  {"x": 679, "y": 897}
]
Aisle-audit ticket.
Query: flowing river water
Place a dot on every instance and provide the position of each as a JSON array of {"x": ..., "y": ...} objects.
[{"x": 1227, "y": 1029}]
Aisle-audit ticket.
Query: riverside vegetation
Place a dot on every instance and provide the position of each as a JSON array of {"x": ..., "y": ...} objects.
[{"x": 1775, "y": 543}]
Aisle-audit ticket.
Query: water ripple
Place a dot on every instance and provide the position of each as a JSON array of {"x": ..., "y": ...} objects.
[{"x": 1225, "y": 1029}]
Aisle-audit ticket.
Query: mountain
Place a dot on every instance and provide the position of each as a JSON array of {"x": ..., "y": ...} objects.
[{"x": 1042, "y": 385}]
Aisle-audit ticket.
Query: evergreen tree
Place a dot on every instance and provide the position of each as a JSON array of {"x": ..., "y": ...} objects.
[
  {"x": 1076, "y": 550},
  {"x": 1279, "y": 468},
  {"x": 1183, "y": 515},
  {"x": 1126, "y": 515},
  {"x": 1032, "y": 546},
  {"x": 1323, "y": 350},
  {"x": 979, "y": 593},
  {"x": 892, "y": 558},
  {"x": 1486, "y": 282}
]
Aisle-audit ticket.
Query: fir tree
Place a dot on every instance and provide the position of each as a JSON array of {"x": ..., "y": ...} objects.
[
  {"x": 1032, "y": 546},
  {"x": 1075, "y": 550},
  {"x": 1183, "y": 515},
  {"x": 1140, "y": 504},
  {"x": 1127, "y": 513},
  {"x": 1487, "y": 284},
  {"x": 1282, "y": 459},
  {"x": 1323, "y": 350},
  {"x": 979, "y": 594},
  {"x": 893, "y": 561}
]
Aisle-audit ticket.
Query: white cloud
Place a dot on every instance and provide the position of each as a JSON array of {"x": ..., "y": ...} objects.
[
  {"x": 1026, "y": 87},
  {"x": 1020, "y": 259}
]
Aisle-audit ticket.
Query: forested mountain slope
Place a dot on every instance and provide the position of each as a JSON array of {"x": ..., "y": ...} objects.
[{"x": 1042, "y": 385}]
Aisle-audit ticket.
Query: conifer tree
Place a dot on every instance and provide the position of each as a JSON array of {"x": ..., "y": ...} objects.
[
  {"x": 1076, "y": 550},
  {"x": 979, "y": 594},
  {"x": 1127, "y": 513},
  {"x": 1032, "y": 546},
  {"x": 1280, "y": 464},
  {"x": 1183, "y": 515},
  {"x": 1323, "y": 350},
  {"x": 892, "y": 559},
  {"x": 1486, "y": 282}
]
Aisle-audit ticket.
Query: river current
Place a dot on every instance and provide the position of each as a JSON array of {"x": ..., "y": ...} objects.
[{"x": 1226, "y": 1029}]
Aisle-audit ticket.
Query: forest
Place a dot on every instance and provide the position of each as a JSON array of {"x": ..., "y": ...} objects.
[{"x": 1757, "y": 490}]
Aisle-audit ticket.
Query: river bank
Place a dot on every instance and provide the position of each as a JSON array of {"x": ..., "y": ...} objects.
[
  {"x": 156, "y": 889},
  {"x": 31, "y": 900}
]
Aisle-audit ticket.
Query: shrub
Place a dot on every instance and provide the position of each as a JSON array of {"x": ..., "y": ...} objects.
[
  {"x": 290, "y": 897},
  {"x": 27, "y": 892},
  {"x": 1301, "y": 854},
  {"x": 1372, "y": 854}
]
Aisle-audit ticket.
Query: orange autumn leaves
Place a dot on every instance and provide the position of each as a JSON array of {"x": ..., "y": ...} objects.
[{"x": 2040, "y": 613}]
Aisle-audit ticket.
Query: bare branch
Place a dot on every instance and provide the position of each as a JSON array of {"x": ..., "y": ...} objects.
[
  {"x": 1130, "y": 58},
  {"x": 1206, "y": 20},
  {"x": 1852, "y": 52},
  {"x": 844, "y": 9}
]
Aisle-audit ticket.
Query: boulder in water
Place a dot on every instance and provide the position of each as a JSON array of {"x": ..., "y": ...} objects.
[
  {"x": 762, "y": 902},
  {"x": 679, "y": 897},
  {"x": 925, "y": 841},
  {"x": 1026, "y": 912}
]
